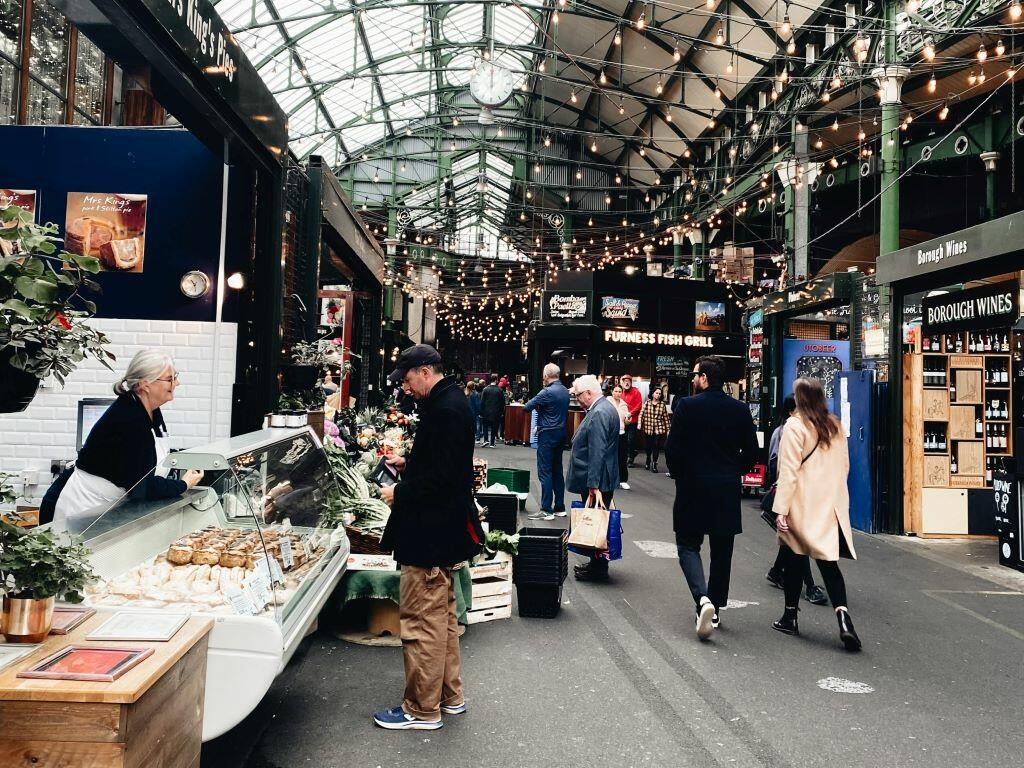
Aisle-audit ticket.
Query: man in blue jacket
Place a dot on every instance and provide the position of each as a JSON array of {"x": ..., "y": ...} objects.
[{"x": 552, "y": 405}]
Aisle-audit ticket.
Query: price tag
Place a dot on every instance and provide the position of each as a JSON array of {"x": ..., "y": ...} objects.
[
  {"x": 240, "y": 601},
  {"x": 277, "y": 575},
  {"x": 307, "y": 549},
  {"x": 257, "y": 584},
  {"x": 286, "y": 553}
]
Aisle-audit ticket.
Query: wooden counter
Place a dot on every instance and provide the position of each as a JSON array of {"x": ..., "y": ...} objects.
[
  {"x": 150, "y": 716},
  {"x": 517, "y": 425}
]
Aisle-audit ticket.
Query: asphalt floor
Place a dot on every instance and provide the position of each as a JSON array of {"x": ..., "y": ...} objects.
[{"x": 619, "y": 678}]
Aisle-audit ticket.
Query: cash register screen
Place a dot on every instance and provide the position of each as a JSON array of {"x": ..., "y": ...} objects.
[{"x": 89, "y": 411}]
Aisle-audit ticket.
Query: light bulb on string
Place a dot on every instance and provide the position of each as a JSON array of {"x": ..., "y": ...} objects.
[
  {"x": 617, "y": 40},
  {"x": 729, "y": 68},
  {"x": 837, "y": 82},
  {"x": 786, "y": 26},
  {"x": 1015, "y": 10},
  {"x": 981, "y": 76},
  {"x": 929, "y": 50},
  {"x": 659, "y": 87},
  {"x": 972, "y": 78},
  {"x": 835, "y": 124},
  {"x": 603, "y": 78},
  {"x": 720, "y": 37},
  {"x": 547, "y": 141},
  {"x": 932, "y": 84},
  {"x": 642, "y": 21},
  {"x": 676, "y": 55},
  {"x": 791, "y": 46},
  {"x": 982, "y": 53},
  {"x": 572, "y": 96},
  {"x": 1000, "y": 48},
  {"x": 622, "y": 107},
  {"x": 913, "y": 6}
]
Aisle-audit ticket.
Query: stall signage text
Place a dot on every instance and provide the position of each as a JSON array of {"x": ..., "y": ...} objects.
[
  {"x": 665, "y": 339},
  {"x": 614, "y": 308},
  {"x": 211, "y": 34},
  {"x": 567, "y": 307},
  {"x": 986, "y": 307},
  {"x": 941, "y": 251}
]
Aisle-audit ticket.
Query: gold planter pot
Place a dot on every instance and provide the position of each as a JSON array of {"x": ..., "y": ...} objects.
[{"x": 26, "y": 620}]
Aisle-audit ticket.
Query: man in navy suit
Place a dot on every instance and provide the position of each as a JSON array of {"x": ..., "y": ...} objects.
[
  {"x": 711, "y": 444},
  {"x": 552, "y": 406}
]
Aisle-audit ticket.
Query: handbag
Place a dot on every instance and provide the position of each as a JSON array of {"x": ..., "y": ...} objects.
[
  {"x": 589, "y": 525},
  {"x": 615, "y": 531},
  {"x": 768, "y": 500}
]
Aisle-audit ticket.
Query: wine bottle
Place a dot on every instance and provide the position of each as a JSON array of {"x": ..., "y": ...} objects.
[
  {"x": 959, "y": 343},
  {"x": 988, "y": 342},
  {"x": 972, "y": 345},
  {"x": 977, "y": 427},
  {"x": 952, "y": 464},
  {"x": 1004, "y": 412}
]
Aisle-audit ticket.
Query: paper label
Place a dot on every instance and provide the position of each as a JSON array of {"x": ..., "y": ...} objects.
[
  {"x": 286, "y": 553},
  {"x": 307, "y": 549},
  {"x": 270, "y": 569},
  {"x": 257, "y": 584},
  {"x": 240, "y": 601}
]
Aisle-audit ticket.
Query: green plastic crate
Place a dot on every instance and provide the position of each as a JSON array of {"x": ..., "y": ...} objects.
[{"x": 516, "y": 480}]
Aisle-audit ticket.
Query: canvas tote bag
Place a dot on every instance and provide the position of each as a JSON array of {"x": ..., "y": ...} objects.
[{"x": 589, "y": 524}]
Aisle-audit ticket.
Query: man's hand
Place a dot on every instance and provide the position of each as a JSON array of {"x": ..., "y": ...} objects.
[
  {"x": 398, "y": 462},
  {"x": 782, "y": 523},
  {"x": 387, "y": 493}
]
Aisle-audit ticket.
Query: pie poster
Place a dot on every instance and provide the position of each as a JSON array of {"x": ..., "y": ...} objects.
[
  {"x": 110, "y": 226},
  {"x": 23, "y": 198}
]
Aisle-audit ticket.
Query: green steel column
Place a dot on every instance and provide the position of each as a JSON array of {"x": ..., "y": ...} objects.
[
  {"x": 567, "y": 242},
  {"x": 890, "y": 80},
  {"x": 391, "y": 249},
  {"x": 788, "y": 201},
  {"x": 699, "y": 239},
  {"x": 677, "y": 251},
  {"x": 990, "y": 158}
]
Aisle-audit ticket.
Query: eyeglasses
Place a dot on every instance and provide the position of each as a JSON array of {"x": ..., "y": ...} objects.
[
  {"x": 172, "y": 380},
  {"x": 696, "y": 374}
]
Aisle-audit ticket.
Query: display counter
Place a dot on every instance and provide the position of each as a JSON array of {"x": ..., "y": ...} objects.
[
  {"x": 247, "y": 547},
  {"x": 572, "y": 423},
  {"x": 517, "y": 424}
]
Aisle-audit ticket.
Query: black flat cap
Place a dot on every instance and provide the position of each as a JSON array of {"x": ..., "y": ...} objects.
[{"x": 413, "y": 357}]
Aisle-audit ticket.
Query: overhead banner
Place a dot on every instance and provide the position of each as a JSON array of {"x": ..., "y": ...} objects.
[
  {"x": 567, "y": 307},
  {"x": 990, "y": 306}
]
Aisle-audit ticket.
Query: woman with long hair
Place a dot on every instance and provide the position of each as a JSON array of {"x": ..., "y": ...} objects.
[
  {"x": 623, "y": 409},
  {"x": 812, "y": 505},
  {"x": 654, "y": 423}
]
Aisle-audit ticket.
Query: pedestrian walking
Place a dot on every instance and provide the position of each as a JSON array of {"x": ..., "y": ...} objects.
[
  {"x": 814, "y": 593},
  {"x": 474, "y": 408},
  {"x": 552, "y": 406},
  {"x": 710, "y": 446},
  {"x": 812, "y": 505},
  {"x": 593, "y": 461},
  {"x": 635, "y": 400},
  {"x": 653, "y": 425},
  {"x": 623, "y": 447},
  {"x": 432, "y": 528},
  {"x": 492, "y": 410}
]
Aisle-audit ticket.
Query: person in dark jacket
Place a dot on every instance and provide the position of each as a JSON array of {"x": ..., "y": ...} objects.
[
  {"x": 433, "y": 527},
  {"x": 474, "y": 407},
  {"x": 492, "y": 410},
  {"x": 552, "y": 406},
  {"x": 593, "y": 462},
  {"x": 125, "y": 448},
  {"x": 711, "y": 444}
]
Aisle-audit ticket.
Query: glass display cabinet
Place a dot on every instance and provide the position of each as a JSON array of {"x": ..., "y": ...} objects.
[{"x": 246, "y": 545}]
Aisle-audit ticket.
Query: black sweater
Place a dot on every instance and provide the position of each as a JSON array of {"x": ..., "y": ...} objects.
[{"x": 120, "y": 449}]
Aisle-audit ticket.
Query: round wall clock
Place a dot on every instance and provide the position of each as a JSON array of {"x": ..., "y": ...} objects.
[
  {"x": 195, "y": 284},
  {"x": 490, "y": 84}
]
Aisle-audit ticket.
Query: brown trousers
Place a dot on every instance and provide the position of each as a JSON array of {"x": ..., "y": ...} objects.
[{"x": 430, "y": 641}]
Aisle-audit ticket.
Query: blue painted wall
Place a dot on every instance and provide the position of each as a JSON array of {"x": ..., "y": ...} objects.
[{"x": 180, "y": 175}]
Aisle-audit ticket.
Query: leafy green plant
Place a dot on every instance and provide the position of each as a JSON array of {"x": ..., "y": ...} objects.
[
  {"x": 498, "y": 541},
  {"x": 42, "y": 309},
  {"x": 37, "y": 564},
  {"x": 7, "y": 493}
]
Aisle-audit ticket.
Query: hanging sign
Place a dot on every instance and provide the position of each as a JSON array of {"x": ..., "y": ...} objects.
[
  {"x": 990, "y": 306},
  {"x": 664, "y": 339},
  {"x": 614, "y": 308},
  {"x": 567, "y": 307},
  {"x": 756, "y": 342}
]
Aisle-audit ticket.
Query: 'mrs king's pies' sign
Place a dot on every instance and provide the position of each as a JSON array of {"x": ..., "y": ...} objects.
[{"x": 990, "y": 306}]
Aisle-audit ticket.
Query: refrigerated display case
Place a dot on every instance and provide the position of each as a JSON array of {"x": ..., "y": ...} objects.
[{"x": 247, "y": 546}]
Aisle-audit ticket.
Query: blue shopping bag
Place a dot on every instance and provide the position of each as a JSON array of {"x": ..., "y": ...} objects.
[{"x": 614, "y": 551}]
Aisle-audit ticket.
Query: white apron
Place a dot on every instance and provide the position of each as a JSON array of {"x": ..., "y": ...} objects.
[{"x": 84, "y": 492}]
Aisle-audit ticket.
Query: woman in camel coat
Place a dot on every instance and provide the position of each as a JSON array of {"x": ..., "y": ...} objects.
[{"x": 812, "y": 505}]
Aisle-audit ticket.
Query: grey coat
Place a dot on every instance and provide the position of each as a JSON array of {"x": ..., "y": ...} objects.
[{"x": 594, "y": 462}]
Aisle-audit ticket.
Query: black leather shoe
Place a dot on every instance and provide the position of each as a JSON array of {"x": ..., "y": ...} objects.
[
  {"x": 583, "y": 573},
  {"x": 846, "y": 631},
  {"x": 654, "y": 468},
  {"x": 817, "y": 596},
  {"x": 647, "y": 466},
  {"x": 775, "y": 579},
  {"x": 788, "y": 625}
]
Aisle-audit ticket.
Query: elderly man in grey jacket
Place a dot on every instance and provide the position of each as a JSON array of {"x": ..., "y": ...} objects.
[{"x": 594, "y": 462}]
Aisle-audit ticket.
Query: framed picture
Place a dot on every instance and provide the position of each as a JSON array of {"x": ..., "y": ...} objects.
[
  {"x": 68, "y": 617},
  {"x": 709, "y": 316},
  {"x": 83, "y": 662},
  {"x": 12, "y": 652},
  {"x": 139, "y": 626},
  {"x": 110, "y": 226}
]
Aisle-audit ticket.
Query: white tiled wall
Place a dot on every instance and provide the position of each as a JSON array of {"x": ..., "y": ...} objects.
[{"x": 46, "y": 430}]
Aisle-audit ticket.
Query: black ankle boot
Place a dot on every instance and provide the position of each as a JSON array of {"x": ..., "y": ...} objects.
[
  {"x": 846, "y": 631},
  {"x": 788, "y": 623},
  {"x": 654, "y": 467},
  {"x": 647, "y": 464}
]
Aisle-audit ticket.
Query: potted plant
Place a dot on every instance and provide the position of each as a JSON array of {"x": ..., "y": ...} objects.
[
  {"x": 42, "y": 309},
  {"x": 305, "y": 369},
  {"x": 37, "y": 567}
]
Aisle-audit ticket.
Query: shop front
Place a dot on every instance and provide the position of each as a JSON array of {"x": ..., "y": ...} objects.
[
  {"x": 827, "y": 328},
  {"x": 957, "y": 353}
]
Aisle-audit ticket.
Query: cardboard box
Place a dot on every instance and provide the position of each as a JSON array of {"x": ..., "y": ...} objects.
[{"x": 382, "y": 618}]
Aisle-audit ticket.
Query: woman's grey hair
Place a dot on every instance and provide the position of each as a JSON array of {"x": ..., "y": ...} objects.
[
  {"x": 587, "y": 383},
  {"x": 147, "y": 365}
]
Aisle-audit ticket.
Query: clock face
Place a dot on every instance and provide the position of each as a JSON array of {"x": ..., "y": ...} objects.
[
  {"x": 491, "y": 85},
  {"x": 195, "y": 284}
]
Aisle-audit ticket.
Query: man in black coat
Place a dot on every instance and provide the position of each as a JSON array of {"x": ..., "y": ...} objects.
[
  {"x": 492, "y": 410},
  {"x": 711, "y": 444},
  {"x": 433, "y": 526}
]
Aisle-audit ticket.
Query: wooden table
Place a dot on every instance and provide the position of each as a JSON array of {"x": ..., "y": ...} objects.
[{"x": 150, "y": 716}]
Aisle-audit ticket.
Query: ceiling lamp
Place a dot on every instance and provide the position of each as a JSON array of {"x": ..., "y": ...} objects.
[
  {"x": 729, "y": 68},
  {"x": 819, "y": 143},
  {"x": 659, "y": 87},
  {"x": 607, "y": 199},
  {"x": 835, "y": 124},
  {"x": 711, "y": 123},
  {"x": 981, "y": 76},
  {"x": 593, "y": 145},
  {"x": 718, "y": 91},
  {"x": 572, "y": 96},
  {"x": 622, "y": 107},
  {"x": 643, "y": 152},
  {"x": 860, "y": 134},
  {"x": 547, "y": 141},
  {"x": 579, "y": 174}
]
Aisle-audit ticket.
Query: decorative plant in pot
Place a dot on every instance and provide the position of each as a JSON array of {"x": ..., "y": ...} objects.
[
  {"x": 36, "y": 567},
  {"x": 304, "y": 371},
  {"x": 42, "y": 309}
]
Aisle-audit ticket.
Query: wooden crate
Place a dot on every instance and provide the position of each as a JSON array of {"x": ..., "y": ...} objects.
[
  {"x": 494, "y": 585},
  {"x": 968, "y": 387},
  {"x": 492, "y": 601},
  {"x": 966, "y": 481},
  {"x": 936, "y": 471},
  {"x": 935, "y": 404},
  {"x": 970, "y": 458},
  {"x": 500, "y": 565},
  {"x": 961, "y": 422},
  {"x": 966, "y": 361},
  {"x": 489, "y": 614}
]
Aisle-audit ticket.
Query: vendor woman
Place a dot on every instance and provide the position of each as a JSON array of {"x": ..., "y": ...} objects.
[{"x": 125, "y": 446}]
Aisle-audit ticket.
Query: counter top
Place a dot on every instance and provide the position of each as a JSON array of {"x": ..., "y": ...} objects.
[{"x": 127, "y": 689}]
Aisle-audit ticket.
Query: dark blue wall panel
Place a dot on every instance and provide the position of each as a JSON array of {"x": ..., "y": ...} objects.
[{"x": 180, "y": 175}]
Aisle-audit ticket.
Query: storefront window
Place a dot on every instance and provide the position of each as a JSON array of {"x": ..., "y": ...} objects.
[
  {"x": 10, "y": 33},
  {"x": 88, "y": 83},
  {"x": 49, "y": 58},
  {"x": 44, "y": 107},
  {"x": 8, "y": 92}
]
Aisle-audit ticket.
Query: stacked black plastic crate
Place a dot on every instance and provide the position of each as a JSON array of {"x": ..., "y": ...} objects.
[{"x": 539, "y": 570}]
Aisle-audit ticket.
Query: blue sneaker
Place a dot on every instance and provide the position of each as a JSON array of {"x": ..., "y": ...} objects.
[
  {"x": 455, "y": 709},
  {"x": 396, "y": 719}
]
